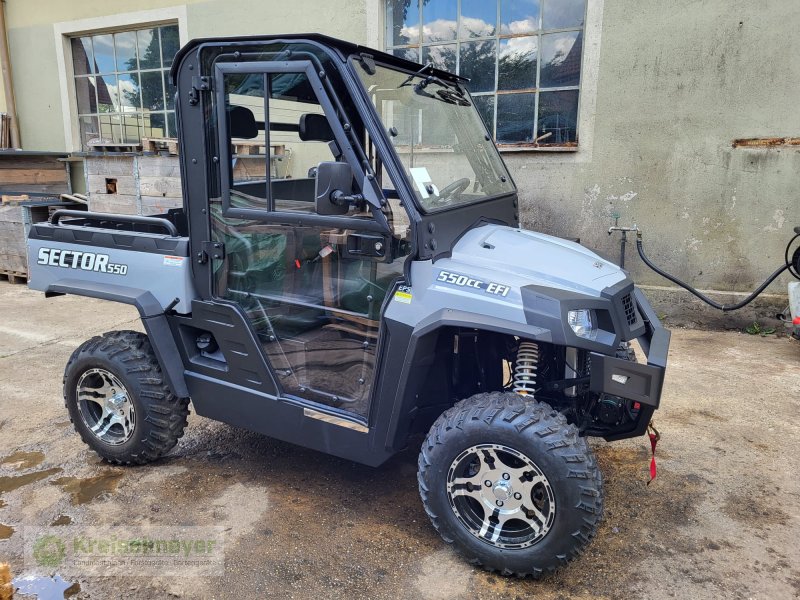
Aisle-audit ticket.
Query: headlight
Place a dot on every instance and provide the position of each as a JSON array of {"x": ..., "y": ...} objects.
[{"x": 582, "y": 323}]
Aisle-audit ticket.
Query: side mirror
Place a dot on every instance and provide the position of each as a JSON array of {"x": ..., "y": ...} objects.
[{"x": 333, "y": 188}]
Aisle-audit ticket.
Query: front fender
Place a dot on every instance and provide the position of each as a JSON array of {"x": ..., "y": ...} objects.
[{"x": 449, "y": 317}]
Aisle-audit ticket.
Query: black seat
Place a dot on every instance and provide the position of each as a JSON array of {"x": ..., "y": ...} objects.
[
  {"x": 242, "y": 123},
  {"x": 314, "y": 127}
]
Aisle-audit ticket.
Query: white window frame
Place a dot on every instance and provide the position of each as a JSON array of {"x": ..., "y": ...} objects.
[
  {"x": 587, "y": 99},
  {"x": 66, "y": 30}
]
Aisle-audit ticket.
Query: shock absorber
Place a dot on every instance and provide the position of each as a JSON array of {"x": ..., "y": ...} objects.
[{"x": 525, "y": 368}]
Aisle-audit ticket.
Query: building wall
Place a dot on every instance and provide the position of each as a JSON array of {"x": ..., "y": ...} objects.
[
  {"x": 33, "y": 43},
  {"x": 677, "y": 83},
  {"x": 667, "y": 87}
]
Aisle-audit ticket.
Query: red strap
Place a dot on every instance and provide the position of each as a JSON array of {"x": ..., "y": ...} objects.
[
  {"x": 297, "y": 263},
  {"x": 654, "y": 435}
]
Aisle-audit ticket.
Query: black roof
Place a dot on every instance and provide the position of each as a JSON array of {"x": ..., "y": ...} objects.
[{"x": 342, "y": 48}]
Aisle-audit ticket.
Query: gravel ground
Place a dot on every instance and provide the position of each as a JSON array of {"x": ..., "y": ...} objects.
[{"x": 721, "y": 520}]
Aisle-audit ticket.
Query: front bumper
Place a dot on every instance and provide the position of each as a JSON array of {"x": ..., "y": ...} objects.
[{"x": 641, "y": 383}]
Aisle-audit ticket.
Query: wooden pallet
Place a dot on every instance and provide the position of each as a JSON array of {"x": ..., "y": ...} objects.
[
  {"x": 160, "y": 145},
  {"x": 9, "y": 199},
  {"x": 114, "y": 148},
  {"x": 14, "y": 276}
]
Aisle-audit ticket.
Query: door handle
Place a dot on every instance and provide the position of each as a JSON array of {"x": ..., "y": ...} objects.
[{"x": 365, "y": 245}]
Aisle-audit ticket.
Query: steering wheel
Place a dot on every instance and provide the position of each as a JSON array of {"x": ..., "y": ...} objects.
[{"x": 452, "y": 189}]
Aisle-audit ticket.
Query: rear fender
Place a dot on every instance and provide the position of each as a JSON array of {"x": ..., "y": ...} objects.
[{"x": 153, "y": 319}]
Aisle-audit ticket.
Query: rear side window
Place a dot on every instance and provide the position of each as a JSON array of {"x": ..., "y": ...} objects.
[{"x": 277, "y": 134}]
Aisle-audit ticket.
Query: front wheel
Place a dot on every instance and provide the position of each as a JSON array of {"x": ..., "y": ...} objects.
[{"x": 510, "y": 483}]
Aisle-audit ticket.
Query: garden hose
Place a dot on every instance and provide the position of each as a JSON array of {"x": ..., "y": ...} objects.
[{"x": 792, "y": 265}]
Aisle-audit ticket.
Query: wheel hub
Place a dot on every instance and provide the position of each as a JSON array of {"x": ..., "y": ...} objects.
[
  {"x": 501, "y": 496},
  {"x": 502, "y": 490},
  {"x": 105, "y": 406}
]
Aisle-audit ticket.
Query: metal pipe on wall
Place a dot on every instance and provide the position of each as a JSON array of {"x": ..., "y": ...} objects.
[{"x": 8, "y": 86}]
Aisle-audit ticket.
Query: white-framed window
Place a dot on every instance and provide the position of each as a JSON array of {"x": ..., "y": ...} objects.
[
  {"x": 121, "y": 82},
  {"x": 523, "y": 59}
]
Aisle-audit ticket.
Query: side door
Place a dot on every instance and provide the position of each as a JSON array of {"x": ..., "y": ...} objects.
[{"x": 311, "y": 275}]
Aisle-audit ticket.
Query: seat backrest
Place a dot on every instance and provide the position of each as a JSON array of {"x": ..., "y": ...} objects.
[
  {"x": 242, "y": 123},
  {"x": 314, "y": 127}
]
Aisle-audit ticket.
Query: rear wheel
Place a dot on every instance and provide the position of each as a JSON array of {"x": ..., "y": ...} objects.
[
  {"x": 508, "y": 481},
  {"x": 118, "y": 400}
]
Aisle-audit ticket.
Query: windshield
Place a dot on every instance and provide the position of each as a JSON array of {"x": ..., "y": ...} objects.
[{"x": 439, "y": 137}]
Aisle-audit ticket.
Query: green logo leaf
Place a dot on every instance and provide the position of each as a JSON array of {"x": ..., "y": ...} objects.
[{"x": 49, "y": 551}]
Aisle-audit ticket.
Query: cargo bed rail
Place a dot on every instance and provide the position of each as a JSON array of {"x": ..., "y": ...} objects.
[{"x": 168, "y": 226}]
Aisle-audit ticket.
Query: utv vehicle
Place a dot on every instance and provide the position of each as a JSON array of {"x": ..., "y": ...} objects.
[{"x": 361, "y": 280}]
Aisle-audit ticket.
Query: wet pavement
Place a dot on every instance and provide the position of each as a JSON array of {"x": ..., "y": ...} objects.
[{"x": 721, "y": 519}]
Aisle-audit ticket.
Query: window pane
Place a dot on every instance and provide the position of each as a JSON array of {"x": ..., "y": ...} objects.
[
  {"x": 125, "y": 45},
  {"x": 436, "y": 132},
  {"x": 439, "y": 20},
  {"x": 478, "y": 18},
  {"x": 172, "y": 131},
  {"x": 169, "y": 91},
  {"x": 85, "y": 95},
  {"x": 519, "y": 16},
  {"x": 244, "y": 105},
  {"x": 558, "y": 113},
  {"x": 306, "y": 152},
  {"x": 407, "y": 53},
  {"x": 442, "y": 57},
  {"x": 478, "y": 64},
  {"x": 155, "y": 125},
  {"x": 559, "y": 14},
  {"x": 170, "y": 43},
  {"x": 129, "y": 91},
  {"x": 106, "y": 127},
  {"x": 107, "y": 93},
  {"x": 515, "y": 118},
  {"x": 81, "y": 56},
  {"x": 402, "y": 22},
  {"x": 89, "y": 130},
  {"x": 103, "y": 53},
  {"x": 517, "y": 63},
  {"x": 149, "y": 50},
  {"x": 485, "y": 106},
  {"x": 561, "y": 59},
  {"x": 130, "y": 124},
  {"x": 152, "y": 92}
]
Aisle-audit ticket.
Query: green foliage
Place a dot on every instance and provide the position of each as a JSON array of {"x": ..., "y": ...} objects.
[{"x": 757, "y": 329}]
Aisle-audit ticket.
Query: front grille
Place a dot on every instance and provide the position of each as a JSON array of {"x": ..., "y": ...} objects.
[{"x": 630, "y": 310}]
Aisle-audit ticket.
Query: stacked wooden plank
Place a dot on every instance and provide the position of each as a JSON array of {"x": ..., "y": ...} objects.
[
  {"x": 160, "y": 146},
  {"x": 13, "y": 260},
  {"x": 25, "y": 179},
  {"x": 150, "y": 184},
  {"x": 133, "y": 184},
  {"x": 33, "y": 173},
  {"x": 16, "y": 218},
  {"x": 5, "y": 131}
]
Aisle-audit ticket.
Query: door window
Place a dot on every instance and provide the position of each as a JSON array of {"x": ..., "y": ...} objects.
[{"x": 312, "y": 299}]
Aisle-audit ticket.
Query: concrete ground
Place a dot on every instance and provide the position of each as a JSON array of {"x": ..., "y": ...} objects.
[{"x": 722, "y": 519}]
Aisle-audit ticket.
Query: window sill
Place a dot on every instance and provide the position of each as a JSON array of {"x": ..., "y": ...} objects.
[{"x": 531, "y": 148}]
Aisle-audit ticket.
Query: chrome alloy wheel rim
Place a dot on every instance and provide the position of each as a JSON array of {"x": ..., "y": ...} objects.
[
  {"x": 501, "y": 496},
  {"x": 105, "y": 406}
]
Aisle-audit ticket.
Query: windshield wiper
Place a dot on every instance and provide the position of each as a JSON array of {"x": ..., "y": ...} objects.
[
  {"x": 450, "y": 93},
  {"x": 410, "y": 78}
]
